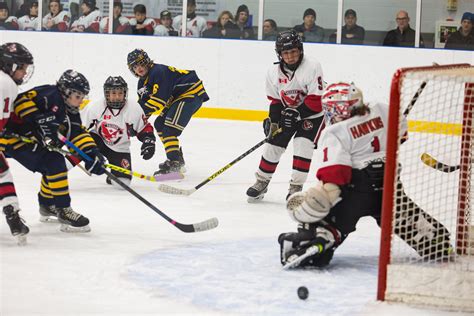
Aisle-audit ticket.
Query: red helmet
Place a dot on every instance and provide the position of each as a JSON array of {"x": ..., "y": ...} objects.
[{"x": 340, "y": 100}]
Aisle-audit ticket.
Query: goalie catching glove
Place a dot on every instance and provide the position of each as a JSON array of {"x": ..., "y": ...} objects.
[{"x": 314, "y": 204}]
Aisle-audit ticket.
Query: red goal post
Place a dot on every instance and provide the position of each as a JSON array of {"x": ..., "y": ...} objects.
[{"x": 439, "y": 103}]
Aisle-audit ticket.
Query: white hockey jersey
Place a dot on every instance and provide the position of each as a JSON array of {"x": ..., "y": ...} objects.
[
  {"x": 149, "y": 24},
  {"x": 161, "y": 30},
  {"x": 88, "y": 22},
  {"x": 8, "y": 93},
  {"x": 194, "y": 27},
  {"x": 61, "y": 21},
  {"x": 104, "y": 24},
  {"x": 353, "y": 144},
  {"x": 28, "y": 23},
  {"x": 305, "y": 85},
  {"x": 113, "y": 126}
]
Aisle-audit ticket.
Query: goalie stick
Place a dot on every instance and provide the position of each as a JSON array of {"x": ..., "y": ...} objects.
[
  {"x": 430, "y": 161},
  {"x": 186, "y": 192},
  {"x": 187, "y": 228}
]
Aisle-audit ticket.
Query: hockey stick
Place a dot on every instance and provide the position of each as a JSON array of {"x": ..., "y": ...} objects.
[
  {"x": 187, "y": 228},
  {"x": 430, "y": 161},
  {"x": 186, "y": 192},
  {"x": 415, "y": 98}
]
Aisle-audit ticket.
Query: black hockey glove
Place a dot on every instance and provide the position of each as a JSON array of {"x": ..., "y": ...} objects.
[
  {"x": 96, "y": 165},
  {"x": 269, "y": 128},
  {"x": 148, "y": 148},
  {"x": 47, "y": 126},
  {"x": 289, "y": 119}
]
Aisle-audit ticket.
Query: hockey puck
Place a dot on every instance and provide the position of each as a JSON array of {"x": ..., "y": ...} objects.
[{"x": 303, "y": 292}]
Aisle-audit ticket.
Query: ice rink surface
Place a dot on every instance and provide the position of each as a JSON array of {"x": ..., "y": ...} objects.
[{"x": 135, "y": 263}]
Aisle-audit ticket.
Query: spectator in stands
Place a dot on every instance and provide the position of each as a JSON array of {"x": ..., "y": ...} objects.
[
  {"x": 403, "y": 35},
  {"x": 269, "y": 30},
  {"x": 224, "y": 27},
  {"x": 30, "y": 21},
  {"x": 7, "y": 22},
  {"x": 463, "y": 38},
  {"x": 166, "y": 27},
  {"x": 141, "y": 25},
  {"x": 56, "y": 20},
  {"x": 242, "y": 21},
  {"x": 309, "y": 31},
  {"x": 24, "y": 8},
  {"x": 120, "y": 24},
  {"x": 351, "y": 32},
  {"x": 195, "y": 25},
  {"x": 89, "y": 21}
]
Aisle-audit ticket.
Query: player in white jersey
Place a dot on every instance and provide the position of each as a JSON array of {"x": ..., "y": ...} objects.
[
  {"x": 120, "y": 24},
  {"x": 195, "y": 25},
  {"x": 89, "y": 22},
  {"x": 57, "y": 20},
  {"x": 30, "y": 22},
  {"x": 7, "y": 22},
  {"x": 113, "y": 120},
  {"x": 294, "y": 86},
  {"x": 351, "y": 159},
  {"x": 141, "y": 25},
  {"x": 16, "y": 67}
]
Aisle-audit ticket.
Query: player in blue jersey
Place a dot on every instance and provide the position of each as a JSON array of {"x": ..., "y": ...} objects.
[
  {"x": 175, "y": 95},
  {"x": 39, "y": 114}
]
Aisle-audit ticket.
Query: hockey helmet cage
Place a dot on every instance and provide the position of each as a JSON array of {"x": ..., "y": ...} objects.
[
  {"x": 340, "y": 100},
  {"x": 115, "y": 83},
  {"x": 13, "y": 56},
  {"x": 138, "y": 57},
  {"x": 72, "y": 81}
]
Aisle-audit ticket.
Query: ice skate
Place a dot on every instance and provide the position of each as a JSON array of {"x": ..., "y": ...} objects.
[
  {"x": 16, "y": 223},
  {"x": 257, "y": 191},
  {"x": 172, "y": 166},
  {"x": 48, "y": 214},
  {"x": 72, "y": 222},
  {"x": 293, "y": 189}
]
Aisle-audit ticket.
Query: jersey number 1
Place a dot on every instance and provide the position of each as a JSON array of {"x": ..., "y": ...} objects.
[
  {"x": 375, "y": 144},
  {"x": 6, "y": 108}
]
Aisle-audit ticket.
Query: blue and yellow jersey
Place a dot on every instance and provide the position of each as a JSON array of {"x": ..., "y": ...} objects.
[
  {"x": 164, "y": 85},
  {"x": 39, "y": 100}
]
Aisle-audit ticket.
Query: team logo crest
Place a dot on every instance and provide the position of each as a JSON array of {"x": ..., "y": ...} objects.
[
  {"x": 292, "y": 98},
  {"x": 307, "y": 125},
  {"x": 125, "y": 164},
  {"x": 111, "y": 133},
  {"x": 142, "y": 91}
]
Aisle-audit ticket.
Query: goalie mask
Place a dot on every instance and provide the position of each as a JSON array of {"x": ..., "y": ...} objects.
[
  {"x": 287, "y": 40},
  {"x": 74, "y": 87},
  {"x": 138, "y": 57},
  {"x": 14, "y": 56},
  {"x": 115, "y": 92},
  {"x": 340, "y": 100}
]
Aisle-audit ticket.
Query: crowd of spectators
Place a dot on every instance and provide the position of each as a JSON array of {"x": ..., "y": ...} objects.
[{"x": 238, "y": 26}]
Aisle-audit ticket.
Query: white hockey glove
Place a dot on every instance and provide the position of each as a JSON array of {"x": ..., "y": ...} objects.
[{"x": 314, "y": 204}]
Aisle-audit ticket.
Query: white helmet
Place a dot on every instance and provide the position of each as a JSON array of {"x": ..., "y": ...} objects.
[{"x": 340, "y": 100}]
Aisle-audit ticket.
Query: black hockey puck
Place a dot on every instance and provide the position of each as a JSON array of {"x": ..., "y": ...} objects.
[{"x": 303, "y": 292}]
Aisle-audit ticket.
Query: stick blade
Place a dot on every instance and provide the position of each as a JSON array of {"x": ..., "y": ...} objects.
[
  {"x": 175, "y": 191},
  {"x": 208, "y": 224}
]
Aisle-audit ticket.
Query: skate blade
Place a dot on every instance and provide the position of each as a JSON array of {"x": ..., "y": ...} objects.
[
  {"x": 65, "y": 228},
  {"x": 257, "y": 199},
  {"x": 168, "y": 176},
  {"x": 21, "y": 240},
  {"x": 48, "y": 219}
]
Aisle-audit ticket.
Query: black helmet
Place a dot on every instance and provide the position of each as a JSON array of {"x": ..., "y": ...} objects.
[
  {"x": 115, "y": 83},
  {"x": 14, "y": 55},
  {"x": 72, "y": 81},
  {"x": 90, "y": 3},
  {"x": 138, "y": 57},
  {"x": 287, "y": 40}
]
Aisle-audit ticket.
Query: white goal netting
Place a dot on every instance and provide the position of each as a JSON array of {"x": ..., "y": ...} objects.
[{"x": 430, "y": 258}]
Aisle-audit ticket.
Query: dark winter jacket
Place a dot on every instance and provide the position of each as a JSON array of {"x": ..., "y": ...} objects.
[
  {"x": 458, "y": 41},
  {"x": 405, "y": 39}
]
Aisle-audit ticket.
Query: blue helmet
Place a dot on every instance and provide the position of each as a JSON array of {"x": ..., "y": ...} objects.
[
  {"x": 72, "y": 81},
  {"x": 138, "y": 57}
]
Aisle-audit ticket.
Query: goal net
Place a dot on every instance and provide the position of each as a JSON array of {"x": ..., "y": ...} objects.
[{"x": 427, "y": 244}]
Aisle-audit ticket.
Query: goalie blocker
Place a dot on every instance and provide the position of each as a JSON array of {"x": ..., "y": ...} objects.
[{"x": 351, "y": 174}]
